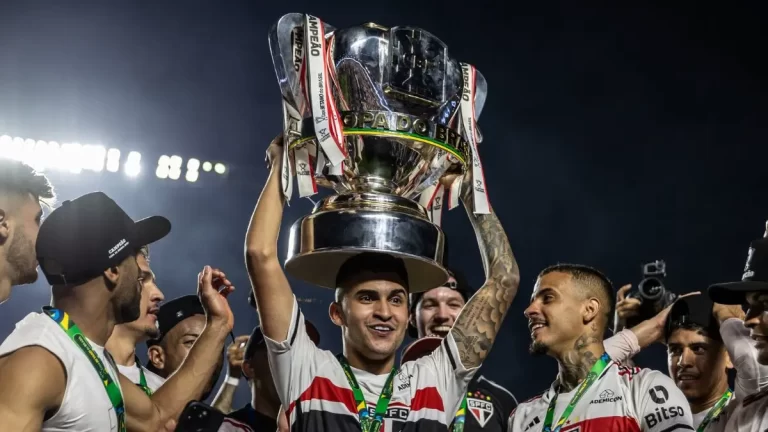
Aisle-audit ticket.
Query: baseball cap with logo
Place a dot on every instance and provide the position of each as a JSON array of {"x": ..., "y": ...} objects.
[
  {"x": 90, "y": 234},
  {"x": 754, "y": 278},
  {"x": 175, "y": 311},
  {"x": 697, "y": 310}
]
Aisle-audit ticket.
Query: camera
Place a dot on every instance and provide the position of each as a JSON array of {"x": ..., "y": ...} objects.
[{"x": 652, "y": 293}]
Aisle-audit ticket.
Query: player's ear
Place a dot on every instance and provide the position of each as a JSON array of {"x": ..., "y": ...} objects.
[
  {"x": 590, "y": 310},
  {"x": 156, "y": 356},
  {"x": 336, "y": 313}
]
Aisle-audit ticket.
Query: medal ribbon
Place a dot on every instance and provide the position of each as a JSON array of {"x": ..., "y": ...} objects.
[
  {"x": 142, "y": 379},
  {"x": 480, "y": 194},
  {"x": 715, "y": 410},
  {"x": 328, "y": 128},
  {"x": 458, "y": 421},
  {"x": 368, "y": 424},
  {"x": 593, "y": 375},
  {"x": 113, "y": 391}
]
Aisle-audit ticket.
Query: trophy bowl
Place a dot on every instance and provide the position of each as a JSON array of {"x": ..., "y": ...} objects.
[{"x": 372, "y": 113}]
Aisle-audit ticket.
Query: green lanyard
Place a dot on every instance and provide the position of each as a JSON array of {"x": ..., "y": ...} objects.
[
  {"x": 142, "y": 379},
  {"x": 368, "y": 424},
  {"x": 715, "y": 410},
  {"x": 113, "y": 391},
  {"x": 458, "y": 421},
  {"x": 592, "y": 376}
]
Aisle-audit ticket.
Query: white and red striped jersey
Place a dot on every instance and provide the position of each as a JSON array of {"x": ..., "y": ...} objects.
[
  {"x": 232, "y": 425},
  {"x": 317, "y": 396},
  {"x": 624, "y": 399}
]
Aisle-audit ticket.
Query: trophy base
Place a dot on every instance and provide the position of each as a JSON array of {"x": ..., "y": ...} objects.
[{"x": 342, "y": 226}]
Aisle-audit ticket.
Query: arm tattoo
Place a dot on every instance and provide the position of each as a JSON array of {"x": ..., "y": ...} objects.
[
  {"x": 479, "y": 322},
  {"x": 575, "y": 365}
]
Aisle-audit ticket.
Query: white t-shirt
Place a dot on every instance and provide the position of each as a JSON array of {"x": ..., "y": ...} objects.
[
  {"x": 317, "y": 396},
  {"x": 86, "y": 406},
  {"x": 154, "y": 381},
  {"x": 623, "y": 400}
]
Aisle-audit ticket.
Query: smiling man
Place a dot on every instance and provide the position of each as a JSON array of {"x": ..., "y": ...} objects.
[
  {"x": 570, "y": 309},
  {"x": 751, "y": 413},
  {"x": 125, "y": 337}
]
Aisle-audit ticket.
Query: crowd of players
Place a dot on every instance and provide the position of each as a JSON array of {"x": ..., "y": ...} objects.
[{"x": 72, "y": 366}]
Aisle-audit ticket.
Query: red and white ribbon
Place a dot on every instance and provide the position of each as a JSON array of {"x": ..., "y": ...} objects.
[
  {"x": 432, "y": 199},
  {"x": 328, "y": 127},
  {"x": 305, "y": 175},
  {"x": 455, "y": 192},
  {"x": 468, "y": 122}
]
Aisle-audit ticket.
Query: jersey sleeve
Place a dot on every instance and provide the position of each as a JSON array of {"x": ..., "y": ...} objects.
[
  {"x": 622, "y": 346},
  {"x": 751, "y": 376},
  {"x": 450, "y": 375},
  {"x": 293, "y": 362},
  {"x": 659, "y": 404}
]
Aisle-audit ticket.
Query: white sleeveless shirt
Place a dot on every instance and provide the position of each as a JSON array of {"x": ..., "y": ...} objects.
[{"x": 86, "y": 406}]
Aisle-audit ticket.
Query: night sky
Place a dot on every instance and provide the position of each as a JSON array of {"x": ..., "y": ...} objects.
[{"x": 613, "y": 137}]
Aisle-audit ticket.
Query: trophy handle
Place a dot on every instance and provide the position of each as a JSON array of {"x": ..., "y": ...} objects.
[{"x": 286, "y": 44}]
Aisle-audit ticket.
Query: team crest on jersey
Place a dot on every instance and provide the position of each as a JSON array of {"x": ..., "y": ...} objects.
[{"x": 482, "y": 410}]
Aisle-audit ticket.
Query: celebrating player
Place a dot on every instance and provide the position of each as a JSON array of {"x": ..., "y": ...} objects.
[{"x": 362, "y": 388}]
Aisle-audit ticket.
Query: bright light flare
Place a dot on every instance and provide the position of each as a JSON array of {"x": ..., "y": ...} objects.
[
  {"x": 220, "y": 168},
  {"x": 133, "y": 164}
]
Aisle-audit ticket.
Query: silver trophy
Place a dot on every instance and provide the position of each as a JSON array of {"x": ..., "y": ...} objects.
[{"x": 379, "y": 115}]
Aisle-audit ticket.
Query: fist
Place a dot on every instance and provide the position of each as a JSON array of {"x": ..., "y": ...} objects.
[
  {"x": 235, "y": 355},
  {"x": 625, "y": 307},
  {"x": 275, "y": 151},
  {"x": 723, "y": 312}
]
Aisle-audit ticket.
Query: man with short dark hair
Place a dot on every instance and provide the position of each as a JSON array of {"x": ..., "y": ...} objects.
[
  {"x": 570, "y": 309},
  {"x": 55, "y": 360},
  {"x": 340, "y": 392},
  {"x": 180, "y": 323},
  {"x": 22, "y": 190},
  {"x": 122, "y": 343},
  {"x": 487, "y": 405}
]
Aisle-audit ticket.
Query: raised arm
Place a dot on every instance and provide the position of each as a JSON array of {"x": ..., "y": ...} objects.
[
  {"x": 479, "y": 322},
  {"x": 190, "y": 380},
  {"x": 271, "y": 289}
]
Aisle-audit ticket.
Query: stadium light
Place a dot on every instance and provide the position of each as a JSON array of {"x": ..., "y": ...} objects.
[{"x": 75, "y": 158}]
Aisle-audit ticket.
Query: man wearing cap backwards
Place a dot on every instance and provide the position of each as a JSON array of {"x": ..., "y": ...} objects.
[
  {"x": 751, "y": 414},
  {"x": 180, "y": 323},
  {"x": 22, "y": 190},
  {"x": 262, "y": 412},
  {"x": 122, "y": 343},
  {"x": 54, "y": 371},
  {"x": 488, "y": 405},
  {"x": 570, "y": 309},
  {"x": 321, "y": 391}
]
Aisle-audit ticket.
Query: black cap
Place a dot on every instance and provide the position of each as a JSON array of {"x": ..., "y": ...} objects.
[
  {"x": 696, "y": 309},
  {"x": 377, "y": 263},
  {"x": 419, "y": 348},
  {"x": 755, "y": 277},
  {"x": 256, "y": 339},
  {"x": 90, "y": 234},
  {"x": 461, "y": 286},
  {"x": 174, "y": 312}
]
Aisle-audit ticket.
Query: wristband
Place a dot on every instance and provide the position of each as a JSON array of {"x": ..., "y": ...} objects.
[{"x": 233, "y": 381}]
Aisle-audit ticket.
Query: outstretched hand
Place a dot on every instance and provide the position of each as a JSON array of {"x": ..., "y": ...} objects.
[{"x": 213, "y": 287}]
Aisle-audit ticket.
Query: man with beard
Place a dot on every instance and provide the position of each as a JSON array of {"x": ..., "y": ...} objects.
[
  {"x": 262, "y": 412},
  {"x": 570, "y": 308},
  {"x": 751, "y": 413},
  {"x": 55, "y": 372},
  {"x": 487, "y": 405},
  {"x": 180, "y": 323},
  {"x": 324, "y": 392},
  {"x": 125, "y": 337},
  {"x": 22, "y": 190}
]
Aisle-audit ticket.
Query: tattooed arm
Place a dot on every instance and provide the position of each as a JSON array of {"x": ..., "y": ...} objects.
[{"x": 479, "y": 322}]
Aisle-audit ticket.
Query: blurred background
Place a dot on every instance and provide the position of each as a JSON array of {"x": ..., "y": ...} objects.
[{"x": 613, "y": 136}]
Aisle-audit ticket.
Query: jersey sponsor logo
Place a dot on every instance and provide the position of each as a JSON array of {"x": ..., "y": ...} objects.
[
  {"x": 662, "y": 414},
  {"x": 659, "y": 394},
  {"x": 481, "y": 410},
  {"x": 607, "y": 396}
]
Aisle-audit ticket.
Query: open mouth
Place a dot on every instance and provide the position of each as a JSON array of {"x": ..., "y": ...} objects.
[
  {"x": 441, "y": 330},
  {"x": 381, "y": 330},
  {"x": 760, "y": 339},
  {"x": 152, "y": 312},
  {"x": 687, "y": 377},
  {"x": 535, "y": 326}
]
